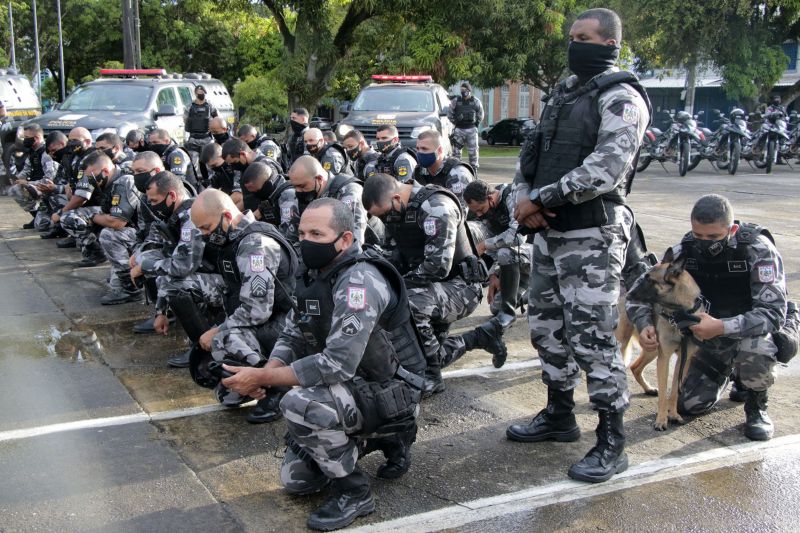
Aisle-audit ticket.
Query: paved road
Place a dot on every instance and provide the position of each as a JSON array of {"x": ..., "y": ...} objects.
[{"x": 97, "y": 434}]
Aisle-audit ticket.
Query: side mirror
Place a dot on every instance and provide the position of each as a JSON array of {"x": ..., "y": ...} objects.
[
  {"x": 166, "y": 110},
  {"x": 344, "y": 109},
  {"x": 444, "y": 111}
]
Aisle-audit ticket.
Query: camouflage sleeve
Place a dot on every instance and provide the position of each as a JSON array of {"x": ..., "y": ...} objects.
[
  {"x": 185, "y": 258},
  {"x": 520, "y": 188},
  {"x": 186, "y": 116},
  {"x": 404, "y": 167},
  {"x": 333, "y": 162},
  {"x": 479, "y": 114},
  {"x": 49, "y": 167},
  {"x": 359, "y": 297},
  {"x": 271, "y": 150},
  {"x": 369, "y": 170},
  {"x": 25, "y": 173},
  {"x": 290, "y": 215},
  {"x": 440, "y": 224},
  {"x": 623, "y": 119},
  {"x": 237, "y": 182},
  {"x": 451, "y": 113},
  {"x": 178, "y": 163},
  {"x": 256, "y": 256},
  {"x": 84, "y": 189},
  {"x": 124, "y": 199},
  {"x": 509, "y": 237},
  {"x": 457, "y": 181},
  {"x": 213, "y": 110},
  {"x": 351, "y": 195},
  {"x": 291, "y": 344},
  {"x": 768, "y": 289}
]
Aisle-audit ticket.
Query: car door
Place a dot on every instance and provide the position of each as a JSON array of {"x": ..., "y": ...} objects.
[
  {"x": 501, "y": 131},
  {"x": 172, "y": 123}
]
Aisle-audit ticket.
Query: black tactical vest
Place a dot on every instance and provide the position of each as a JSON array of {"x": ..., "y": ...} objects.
[
  {"x": 336, "y": 147},
  {"x": 498, "y": 219},
  {"x": 385, "y": 163},
  {"x": 440, "y": 178},
  {"x": 725, "y": 279},
  {"x": 465, "y": 112},
  {"x": 361, "y": 163},
  {"x": 337, "y": 183},
  {"x": 190, "y": 177},
  {"x": 229, "y": 268},
  {"x": 565, "y": 136},
  {"x": 410, "y": 237},
  {"x": 393, "y": 340},
  {"x": 198, "y": 119},
  {"x": 296, "y": 146},
  {"x": 35, "y": 159}
]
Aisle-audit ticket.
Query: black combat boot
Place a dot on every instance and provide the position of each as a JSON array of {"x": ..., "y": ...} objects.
[
  {"x": 434, "y": 383},
  {"x": 55, "y": 232},
  {"x": 397, "y": 450},
  {"x": 67, "y": 242},
  {"x": 92, "y": 255},
  {"x": 194, "y": 324},
  {"x": 488, "y": 336},
  {"x": 267, "y": 409},
  {"x": 350, "y": 498},
  {"x": 608, "y": 456},
  {"x": 757, "y": 425},
  {"x": 554, "y": 422},
  {"x": 509, "y": 292},
  {"x": 737, "y": 393},
  {"x": 128, "y": 292}
]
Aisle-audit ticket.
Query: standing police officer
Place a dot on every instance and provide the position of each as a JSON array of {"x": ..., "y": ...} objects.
[
  {"x": 196, "y": 119},
  {"x": 466, "y": 113},
  {"x": 341, "y": 352},
  {"x": 294, "y": 145},
  {"x": 433, "y": 168},
  {"x": 571, "y": 188},
  {"x": 393, "y": 159}
]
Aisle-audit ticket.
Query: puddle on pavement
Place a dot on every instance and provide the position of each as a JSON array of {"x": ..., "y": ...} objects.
[{"x": 72, "y": 344}]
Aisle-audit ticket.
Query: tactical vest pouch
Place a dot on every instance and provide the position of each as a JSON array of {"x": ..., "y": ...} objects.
[
  {"x": 473, "y": 270},
  {"x": 591, "y": 214},
  {"x": 787, "y": 338},
  {"x": 383, "y": 403}
]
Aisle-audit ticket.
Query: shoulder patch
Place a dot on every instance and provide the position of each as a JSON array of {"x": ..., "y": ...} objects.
[
  {"x": 257, "y": 263},
  {"x": 630, "y": 114},
  {"x": 430, "y": 226},
  {"x": 351, "y": 325},
  {"x": 402, "y": 171},
  {"x": 271, "y": 153},
  {"x": 258, "y": 287},
  {"x": 115, "y": 199},
  {"x": 457, "y": 187},
  {"x": 177, "y": 160},
  {"x": 356, "y": 298},
  {"x": 326, "y": 165},
  {"x": 766, "y": 272},
  {"x": 286, "y": 213},
  {"x": 186, "y": 234}
]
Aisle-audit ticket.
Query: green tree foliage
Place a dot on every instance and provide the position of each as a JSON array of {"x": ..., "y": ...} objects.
[{"x": 261, "y": 98}]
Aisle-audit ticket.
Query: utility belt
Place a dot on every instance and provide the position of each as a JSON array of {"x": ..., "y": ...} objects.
[
  {"x": 387, "y": 407},
  {"x": 569, "y": 217}
]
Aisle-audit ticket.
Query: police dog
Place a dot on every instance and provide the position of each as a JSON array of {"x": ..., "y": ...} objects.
[{"x": 674, "y": 297}]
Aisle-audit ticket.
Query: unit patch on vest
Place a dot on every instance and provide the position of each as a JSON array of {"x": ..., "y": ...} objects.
[
  {"x": 257, "y": 263},
  {"x": 630, "y": 114},
  {"x": 186, "y": 234},
  {"x": 177, "y": 160},
  {"x": 766, "y": 273},
  {"x": 115, "y": 199},
  {"x": 227, "y": 266},
  {"x": 457, "y": 187},
  {"x": 356, "y": 298},
  {"x": 312, "y": 307},
  {"x": 326, "y": 165},
  {"x": 737, "y": 266},
  {"x": 258, "y": 287},
  {"x": 402, "y": 172},
  {"x": 351, "y": 325},
  {"x": 430, "y": 226}
]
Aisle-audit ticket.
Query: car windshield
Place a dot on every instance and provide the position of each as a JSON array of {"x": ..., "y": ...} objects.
[
  {"x": 104, "y": 97},
  {"x": 394, "y": 99}
]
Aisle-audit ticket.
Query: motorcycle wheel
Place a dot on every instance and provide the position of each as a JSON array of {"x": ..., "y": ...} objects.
[
  {"x": 770, "y": 155},
  {"x": 694, "y": 161},
  {"x": 644, "y": 162},
  {"x": 683, "y": 158},
  {"x": 735, "y": 155}
]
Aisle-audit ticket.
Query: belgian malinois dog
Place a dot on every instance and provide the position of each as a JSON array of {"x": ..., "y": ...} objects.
[{"x": 675, "y": 298}]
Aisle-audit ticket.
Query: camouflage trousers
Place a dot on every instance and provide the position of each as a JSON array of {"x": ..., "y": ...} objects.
[
  {"x": 25, "y": 198},
  {"x": 572, "y": 313},
  {"x": 510, "y": 256},
  {"x": 434, "y": 307},
  {"x": 752, "y": 358},
  {"x": 468, "y": 138},
  {"x": 78, "y": 224},
  {"x": 249, "y": 346},
  {"x": 206, "y": 288},
  {"x": 322, "y": 421},
  {"x": 118, "y": 245}
]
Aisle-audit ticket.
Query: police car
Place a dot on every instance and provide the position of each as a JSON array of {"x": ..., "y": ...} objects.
[
  {"x": 412, "y": 104},
  {"x": 18, "y": 95},
  {"x": 125, "y": 99}
]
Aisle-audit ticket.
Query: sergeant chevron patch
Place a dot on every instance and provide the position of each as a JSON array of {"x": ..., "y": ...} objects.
[
  {"x": 351, "y": 325},
  {"x": 258, "y": 287}
]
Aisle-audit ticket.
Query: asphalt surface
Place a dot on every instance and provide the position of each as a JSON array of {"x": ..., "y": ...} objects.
[{"x": 98, "y": 434}]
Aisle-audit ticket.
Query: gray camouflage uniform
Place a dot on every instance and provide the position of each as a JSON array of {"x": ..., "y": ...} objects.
[
  {"x": 321, "y": 414},
  {"x": 747, "y": 342},
  {"x": 29, "y": 201},
  {"x": 350, "y": 194},
  {"x": 575, "y": 280},
  {"x": 457, "y": 180},
  {"x": 404, "y": 165},
  {"x": 118, "y": 244},
  {"x": 78, "y": 222},
  {"x": 468, "y": 137},
  {"x": 331, "y": 160}
]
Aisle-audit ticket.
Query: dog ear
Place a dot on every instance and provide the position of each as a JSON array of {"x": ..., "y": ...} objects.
[
  {"x": 676, "y": 266},
  {"x": 668, "y": 256}
]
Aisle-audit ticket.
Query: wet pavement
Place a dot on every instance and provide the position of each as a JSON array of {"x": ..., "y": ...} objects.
[{"x": 98, "y": 434}]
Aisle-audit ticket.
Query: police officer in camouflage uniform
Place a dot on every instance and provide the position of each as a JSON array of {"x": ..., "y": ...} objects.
[
  {"x": 503, "y": 243},
  {"x": 250, "y": 256},
  {"x": 294, "y": 145},
  {"x": 433, "y": 168},
  {"x": 466, "y": 113},
  {"x": 331, "y": 155},
  {"x": 39, "y": 167},
  {"x": 111, "y": 145},
  {"x": 53, "y": 192},
  {"x": 79, "y": 147},
  {"x": 393, "y": 159},
  {"x": 175, "y": 160},
  {"x": 256, "y": 141},
  {"x": 340, "y": 350},
  {"x": 361, "y": 154},
  {"x": 260, "y": 182},
  {"x": 196, "y": 118},
  {"x": 239, "y": 156},
  {"x": 135, "y": 141},
  {"x": 740, "y": 275},
  {"x": 221, "y": 175},
  {"x": 439, "y": 265},
  {"x": 571, "y": 189}
]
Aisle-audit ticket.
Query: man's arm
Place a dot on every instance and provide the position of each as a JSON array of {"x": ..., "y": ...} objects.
[
  {"x": 509, "y": 237},
  {"x": 479, "y": 114},
  {"x": 351, "y": 196},
  {"x": 441, "y": 228},
  {"x": 457, "y": 181},
  {"x": 185, "y": 258}
]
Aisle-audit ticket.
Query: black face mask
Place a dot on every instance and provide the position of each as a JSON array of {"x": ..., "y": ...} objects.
[
  {"x": 75, "y": 146},
  {"x": 354, "y": 153},
  {"x": 241, "y": 167},
  {"x": 318, "y": 255},
  {"x": 28, "y": 142},
  {"x": 385, "y": 146},
  {"x": 393, "y": 216},
  {"x": 161, "y": 210},
  {"x": 253, "y": 144},
  {"x": 313, "y": 148},
  {"x": 110, "y": 153},
  {"x": 141, "y": 181},
  {"x": 465, "y": 94},
  {"x": 587, "y": 60},
  {"x": 306, "y": 197},
  {"x": 710, "y": 248},
  {"x": 297, "y": 127},
  {"x": 201, "y": 96},
  {"x": 159, "y": 148},
  {"x": 220, "y": 138},
  {"x": 58, "y": 156},
  {"x": 265, "y": 191},
  {"x": 218, "y": 237},
  {"x": 98, "y": 182}
]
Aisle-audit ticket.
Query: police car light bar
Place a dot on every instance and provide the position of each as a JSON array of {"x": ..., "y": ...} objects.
[
  {"x": 391, "y": 77},
  {"x": 132, "y": 71}
]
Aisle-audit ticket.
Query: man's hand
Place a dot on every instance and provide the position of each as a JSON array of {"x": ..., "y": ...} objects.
[
  {"x": 246, "y": 380},
  {"x": 480, "y": 248},
  {"x": 207, "y": 337},
  {"x": 55, "y": 218},
  {"x": 708, "y": 327},
  {"x": 532, "y": 215},
  {"x": 132, "y": 261},
  {"x": 648, "y": 338},
  {"x": 136, "y": 270},
  {"x": 161, "y": 324},
  {"x": 494, "y": 286},
  {"x": 45, "y": 187},
  {"x": 21, "y": 181}
]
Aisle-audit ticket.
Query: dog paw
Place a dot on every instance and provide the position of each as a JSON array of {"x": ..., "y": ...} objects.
[
  {"x": 676, "y": 418},
  {"x": 661, "y": 425},
  {"x": 651, "y": 392}
]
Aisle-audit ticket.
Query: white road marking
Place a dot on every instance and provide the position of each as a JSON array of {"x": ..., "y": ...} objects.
[{"x": 454, "y": 516}]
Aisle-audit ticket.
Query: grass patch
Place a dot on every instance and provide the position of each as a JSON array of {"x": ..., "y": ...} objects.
[{"x": 495, "y": 151}]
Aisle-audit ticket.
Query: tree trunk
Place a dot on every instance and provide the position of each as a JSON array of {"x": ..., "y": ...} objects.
[{"x": 691, "y": 81}]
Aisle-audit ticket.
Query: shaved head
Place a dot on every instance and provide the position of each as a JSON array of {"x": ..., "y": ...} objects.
[
  {"x": 80, "y": 134},
  {"x": 305, "y": 173},
  {"x": 312, "y": 135},
  {"x": 209, "y": 209}
]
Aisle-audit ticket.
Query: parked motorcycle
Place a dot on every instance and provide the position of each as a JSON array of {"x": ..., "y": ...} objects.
[
  {"x": 790, "y": 149},
  {"x": 762, "y": 149},
  {"x": 673, "y": 145},
  {"x": 723, "y": 147}
]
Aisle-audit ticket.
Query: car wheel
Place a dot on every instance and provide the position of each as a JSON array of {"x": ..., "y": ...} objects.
[{"x": 490, "y": 140}]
